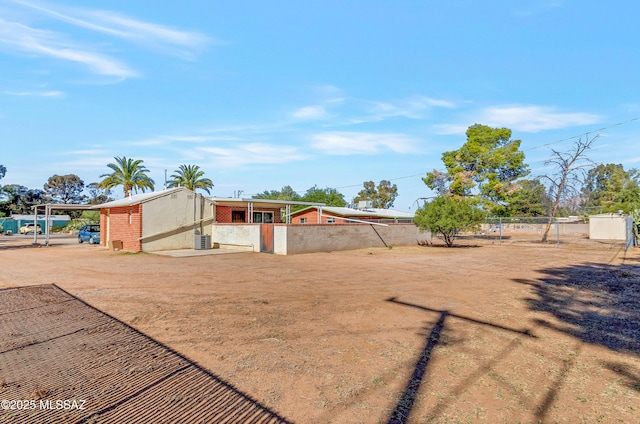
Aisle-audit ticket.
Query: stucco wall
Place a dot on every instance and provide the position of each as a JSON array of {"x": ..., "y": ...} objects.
[
  {"x": 607, "y": 227},
  {"x": 238, "y": 236},
  {"x": 167, "y": 231}
]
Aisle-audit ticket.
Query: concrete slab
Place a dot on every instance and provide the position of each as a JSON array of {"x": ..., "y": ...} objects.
[{"x": 185, "y": 253}]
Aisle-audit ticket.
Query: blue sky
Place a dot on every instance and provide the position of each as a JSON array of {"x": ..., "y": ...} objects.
[{"x": 329, "y": 93}]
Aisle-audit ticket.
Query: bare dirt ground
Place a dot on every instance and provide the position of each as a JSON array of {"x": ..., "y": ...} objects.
[{"x": 489, "y": 333}]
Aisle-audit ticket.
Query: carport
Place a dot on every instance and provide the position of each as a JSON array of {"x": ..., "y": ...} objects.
[{"x": 48, "y": 207}]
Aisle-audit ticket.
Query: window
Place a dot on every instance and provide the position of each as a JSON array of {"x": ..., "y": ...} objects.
[
  {"x": 237, "y": 216},
  {"x": 263, "y": 217},
  {"x": 303, "y": 220},
  {"x": 331, "y": 220}
]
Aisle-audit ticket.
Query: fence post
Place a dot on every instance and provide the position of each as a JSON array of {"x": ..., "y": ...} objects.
[{"x": 500, "y": 222}]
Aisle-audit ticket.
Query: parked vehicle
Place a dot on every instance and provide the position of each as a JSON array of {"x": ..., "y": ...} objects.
[
  {"x": 30, "y": 228},
  {"x": 89, "y": 233}
]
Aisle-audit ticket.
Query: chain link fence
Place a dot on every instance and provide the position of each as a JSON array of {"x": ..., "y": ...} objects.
[{"x": 532, "y": 229}]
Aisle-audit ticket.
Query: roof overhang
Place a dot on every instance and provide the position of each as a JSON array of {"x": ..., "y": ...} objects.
[{"x": 264, "y": 203}]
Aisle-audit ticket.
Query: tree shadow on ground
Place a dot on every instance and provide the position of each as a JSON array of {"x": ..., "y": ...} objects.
[{"x": 595, "y": 302}]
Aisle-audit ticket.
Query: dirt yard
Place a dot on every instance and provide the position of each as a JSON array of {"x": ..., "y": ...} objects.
[{"x": 485, "y": 333}]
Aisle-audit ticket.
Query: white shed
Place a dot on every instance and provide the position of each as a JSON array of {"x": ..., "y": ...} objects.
[{"x": 608, "y": 226}]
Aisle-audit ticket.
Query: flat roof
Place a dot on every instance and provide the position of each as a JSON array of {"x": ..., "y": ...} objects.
[{"x": 273, "y": 203}]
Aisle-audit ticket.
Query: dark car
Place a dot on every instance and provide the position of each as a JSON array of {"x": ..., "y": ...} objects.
[{"x": 89, "y": 233}]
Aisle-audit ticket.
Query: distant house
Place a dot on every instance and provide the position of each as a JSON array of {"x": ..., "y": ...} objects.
[{"x": 343, "y": 215}]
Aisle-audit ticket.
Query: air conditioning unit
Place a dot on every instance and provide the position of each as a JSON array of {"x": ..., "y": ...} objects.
[
  {"x": 365, "y": 204},
  {"x": 203, "y": 242}
]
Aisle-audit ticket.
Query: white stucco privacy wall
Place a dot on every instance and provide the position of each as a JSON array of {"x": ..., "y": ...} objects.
[{"x": 237, "y": 236}]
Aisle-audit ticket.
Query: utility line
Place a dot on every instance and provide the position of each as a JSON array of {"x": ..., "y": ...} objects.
[
  {"x": 530, "y": 148},
  {"x": 583, "y": 134}
]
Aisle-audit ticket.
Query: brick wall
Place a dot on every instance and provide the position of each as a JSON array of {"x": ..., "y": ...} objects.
[
  {"x": 224, "y": 213},
  {"x": 311, "y": 217},
  {"x": 125, "y": 224}
]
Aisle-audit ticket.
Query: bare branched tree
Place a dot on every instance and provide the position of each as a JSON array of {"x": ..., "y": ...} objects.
[{"x": 571, "y": 168}]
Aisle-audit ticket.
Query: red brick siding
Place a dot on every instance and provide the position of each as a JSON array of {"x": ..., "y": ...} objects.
[
  {"x": 125, "y": 224},
  {"x": 312, "y": 217},
  {"x": 223, "y": 213}
]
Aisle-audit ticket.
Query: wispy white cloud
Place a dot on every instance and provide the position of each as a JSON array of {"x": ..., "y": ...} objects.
[
  {"x": 163, "y": 140},
  {"x": 180, "y": 42},
  {"x": 51, "y": 93},
  {"x": 18, "y": 37},
  {"x": 248, "y": 154},
  {"x": 416, "y": 107},
  {"x": 535, "y": 118},
  {"x": 363, "y": 143},
  {"x": 310, "y": 113},
  {"x": 525, "y": 118}
]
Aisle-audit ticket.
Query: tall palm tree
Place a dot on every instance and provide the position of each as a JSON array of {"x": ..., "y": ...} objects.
[
  {"x": 129, "y": 173},
  {"x": 191, "y": 177}
]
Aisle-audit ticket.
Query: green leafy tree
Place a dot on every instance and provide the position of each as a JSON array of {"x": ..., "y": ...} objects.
[
  {"x": 128, "y": 173},
  {"x": 3, "y": 171},
  {"x": 286, "y": 193},
  {"x": 447, "y": 216},
  {"x": 328, "y": 196},
  {"x": 486, "y": 167},
  {"x": 98, "y": 195},
  {"x": 19, "y": 199},
  {"x": 381, "y": 196},
  {"x": 191, "y": 177},
  {"x": 64, "y": 189},
  {"x": 530, "y": 199},
  {"x": 611, "y": 188}
]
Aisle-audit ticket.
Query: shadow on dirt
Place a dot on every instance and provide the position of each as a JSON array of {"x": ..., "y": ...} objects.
[
  {"x": 402, "y": 411},
  {"x": 597, "y": 303}
]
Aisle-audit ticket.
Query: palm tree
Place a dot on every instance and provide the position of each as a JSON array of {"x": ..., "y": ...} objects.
[
  {"x": 191, "y": 177},
  {"x": 129, "y": 173}
]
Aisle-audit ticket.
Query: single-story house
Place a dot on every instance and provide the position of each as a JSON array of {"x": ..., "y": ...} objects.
[
  {"x": 181, "y": 219},
  {"x": 343, "y": 215},
  {"x": 175, "y": 218}
]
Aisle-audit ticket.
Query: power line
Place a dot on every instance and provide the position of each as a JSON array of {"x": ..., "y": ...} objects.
[
  {"x": 530, "y": 148},
  {"x": 583, "y": 134}
]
